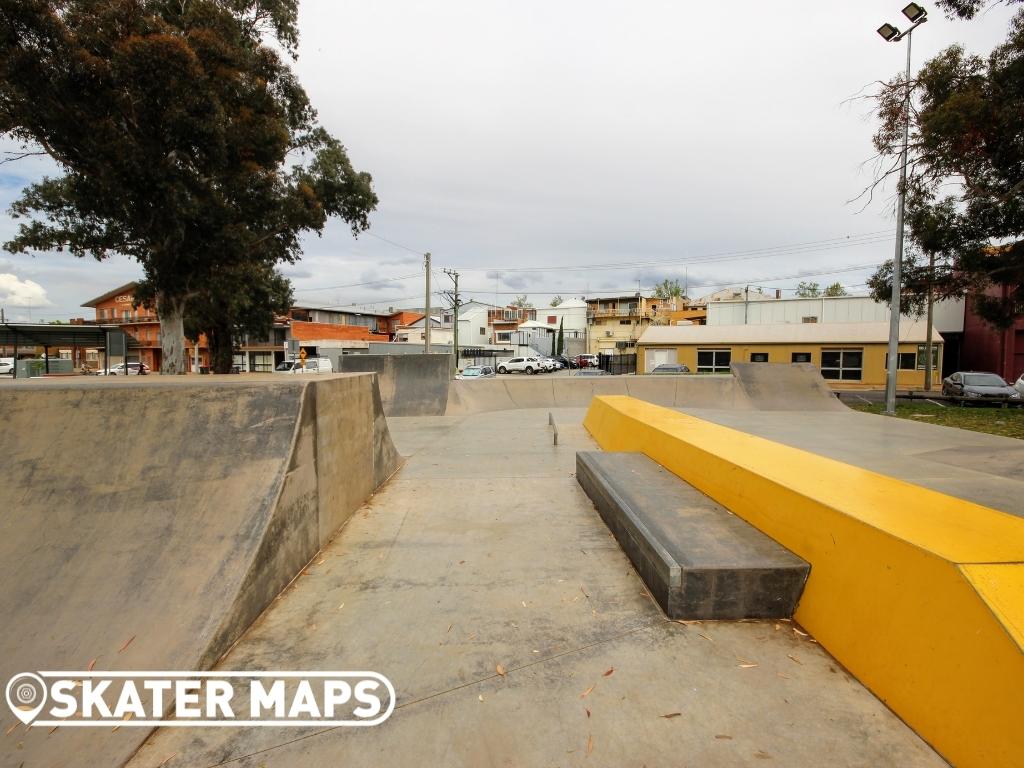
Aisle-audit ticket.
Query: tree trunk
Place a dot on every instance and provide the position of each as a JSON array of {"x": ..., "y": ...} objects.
[
  {"x": 172, "y": 335},
  {"x": 221, "y": 349}
]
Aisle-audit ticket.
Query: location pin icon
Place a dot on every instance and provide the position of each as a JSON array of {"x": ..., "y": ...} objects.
[{"x": 26, "y": 696}]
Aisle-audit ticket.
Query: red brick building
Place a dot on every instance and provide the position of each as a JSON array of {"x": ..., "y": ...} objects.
[
  {"x": 142, "y": 326},
  {"x": 986, "y": 349}
]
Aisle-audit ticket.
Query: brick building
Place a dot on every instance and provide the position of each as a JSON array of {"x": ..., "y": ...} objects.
[
  {"x": 142, "y": 326},
  {"x": 986, "y": 349}
]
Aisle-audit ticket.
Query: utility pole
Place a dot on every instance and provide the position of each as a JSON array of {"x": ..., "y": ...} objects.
[
  {"x": 426, "y": 306},
  {"x": 931, "y": 323},
  {"x": 455, "y": 328}
]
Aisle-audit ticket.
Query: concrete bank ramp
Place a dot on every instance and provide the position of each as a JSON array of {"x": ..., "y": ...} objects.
[
  {"x": 410, "y": 385},
  {"x": 781, "y": 387},
  {"x": 146, "y": 524},
  {"x": 768, "y": 387}
]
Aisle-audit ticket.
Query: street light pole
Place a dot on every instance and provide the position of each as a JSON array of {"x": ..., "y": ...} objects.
[{"x": 918, "y": 16}]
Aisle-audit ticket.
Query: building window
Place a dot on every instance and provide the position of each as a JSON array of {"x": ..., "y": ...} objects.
[
  {"x": 922, "y": 357},
  {"x": 625, "y": 322},
  {"x": 552, "y": 319},
  {"x": 504, "y": 336},
  {"x": 713, "y": 360},
  {"x": 800, "y": 357},
  {"x": 842, "y": 364},
  {"x": 809, "y": 319},
  {"x": 759, "y": 357},
  {"x": 907, "y": 361},
  {"x": 103, "y": 314},
  {"x": 483, "y": 331}
]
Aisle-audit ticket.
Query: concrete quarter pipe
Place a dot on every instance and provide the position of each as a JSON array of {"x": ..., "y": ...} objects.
[{"x": 146, "y": 525}]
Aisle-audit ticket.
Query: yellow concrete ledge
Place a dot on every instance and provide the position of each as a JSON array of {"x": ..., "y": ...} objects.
[{"x": 919, "y": 594}]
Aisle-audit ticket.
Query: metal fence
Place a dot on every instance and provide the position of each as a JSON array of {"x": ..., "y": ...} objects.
[
  {"x": 478, "y": 356},
  {"x": 617, "y": 364}
]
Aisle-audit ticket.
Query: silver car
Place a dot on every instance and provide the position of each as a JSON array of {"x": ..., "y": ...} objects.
[
  {"x": 473, "y": 372},
  {"x": 971, "y": 386}
]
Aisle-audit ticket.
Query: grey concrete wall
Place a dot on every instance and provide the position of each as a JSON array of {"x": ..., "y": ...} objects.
[
  {"x": 410, "y": 385},
  {"x": 168, "y": 511}
]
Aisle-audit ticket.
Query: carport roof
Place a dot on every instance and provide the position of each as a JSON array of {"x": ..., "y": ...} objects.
[{"x": 57, "y": 335}]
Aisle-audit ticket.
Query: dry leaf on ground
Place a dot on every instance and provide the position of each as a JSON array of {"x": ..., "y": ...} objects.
[
  {"x": 670, "y": 715},
  {"x": 500, "y": 670},
  {"x": 609, "y": 673},
  {"x": 587, "y": 692},
  {"x": 126, "y": 644}
]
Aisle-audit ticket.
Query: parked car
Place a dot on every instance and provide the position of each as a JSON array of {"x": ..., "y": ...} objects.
[
  {"x": 548, "y": 363},
  {"x": 7, "y": 366},
  {"x": 973, "y": 386},
  {"x": 313, "y": 365},
  {"x": 587, "y": 361},
  {"x": 567, "y": 362},
  {"x": 118, "y": 370},
  {"x": 471, "y": 372},
  {"x": 528, "y": 365},
  {"x": 670, "y": 368}
]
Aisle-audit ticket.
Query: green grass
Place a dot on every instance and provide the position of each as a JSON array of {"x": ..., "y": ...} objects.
[{"x": 1008, "y": 422}]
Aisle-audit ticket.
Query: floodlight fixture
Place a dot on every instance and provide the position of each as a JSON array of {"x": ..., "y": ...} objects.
[
  {"x": 914, "y": 12},
  {"x": 888, "y": 32}
]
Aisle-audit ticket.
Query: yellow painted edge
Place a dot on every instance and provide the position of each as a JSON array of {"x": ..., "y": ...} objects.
[
  {"x": 954, "y": 529},
  {"x": 908, "y": 623}
]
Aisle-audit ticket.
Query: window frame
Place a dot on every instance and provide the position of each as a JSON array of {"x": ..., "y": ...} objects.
[
  {"x": 841, "y": 369},
  {"x": 716, "y": 366}
]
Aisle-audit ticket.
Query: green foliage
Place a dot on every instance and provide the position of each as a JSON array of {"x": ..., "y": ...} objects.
[
  {"x": 184, "y": 139},
  {"x": 967, "y": 9},
  {"x": 561, "y": 336},
  {"x": 808, "y": 290},
  {"x": 669, "y": 289},
  {"x": 836, "y": 289},
  {"x": 965, "y": 184},
  {"x": 556, "y": 301},
  {"x": 522, "y": 303},
  {"x": 240, "y": 301}
]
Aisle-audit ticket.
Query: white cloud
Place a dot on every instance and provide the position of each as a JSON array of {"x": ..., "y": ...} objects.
[{"x": 22, "y": 293}]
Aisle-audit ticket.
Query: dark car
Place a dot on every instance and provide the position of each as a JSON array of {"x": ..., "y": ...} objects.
[
  {"x": 977, "y": 387},
  {"x": 669, "y": 368},
  {"x": 592, "y": 372},
  {"x": 567, "y": 362}
]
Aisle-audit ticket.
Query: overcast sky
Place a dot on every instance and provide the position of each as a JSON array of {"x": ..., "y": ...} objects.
[{"x": 578, "y": 148}]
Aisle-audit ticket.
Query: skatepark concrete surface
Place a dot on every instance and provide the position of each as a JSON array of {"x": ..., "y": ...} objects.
[
  {"x": 483, "y": 551},
  {"x": 985, "y": 469},
  {"x": 410, "y": 385},
  {"x": 751, "y": 386},
  {"x": 141, "y": 510},
  {"x": 148, "y": 521}
]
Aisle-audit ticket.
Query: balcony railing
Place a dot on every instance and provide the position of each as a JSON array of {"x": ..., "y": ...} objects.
[{"x": 618, "y": 312}]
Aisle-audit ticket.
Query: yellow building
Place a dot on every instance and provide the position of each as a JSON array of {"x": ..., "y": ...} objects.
[
  {"x": 849, "y": 355},
  {"x": 614, "y": 324}
]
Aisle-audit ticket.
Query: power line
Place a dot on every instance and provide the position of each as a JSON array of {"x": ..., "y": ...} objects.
[
  {"x": 397, "y": 245},
  {"x": 357, "y": 285},
  {"x": 846, "y": 241}
]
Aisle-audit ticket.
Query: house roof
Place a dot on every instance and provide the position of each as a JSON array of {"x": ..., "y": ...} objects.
[
  {"x": 126, "y": 288},
  {"x": 784, "y": 333}
]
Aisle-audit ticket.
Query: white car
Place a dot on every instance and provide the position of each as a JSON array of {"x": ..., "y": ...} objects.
[
  {"x": 1019, "y": 385},
  {"x": 527, "y": 365},
  {"x": 313, "y": 365},
  {"x": 7, "y": 366},
  {"x": 118, "y": 370}
]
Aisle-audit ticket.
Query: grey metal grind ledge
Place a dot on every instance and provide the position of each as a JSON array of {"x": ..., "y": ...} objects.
[{"x": 699, "y": 560}]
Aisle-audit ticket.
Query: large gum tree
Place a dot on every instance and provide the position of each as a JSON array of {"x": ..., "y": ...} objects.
[{"x": 182, "y": 137}]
